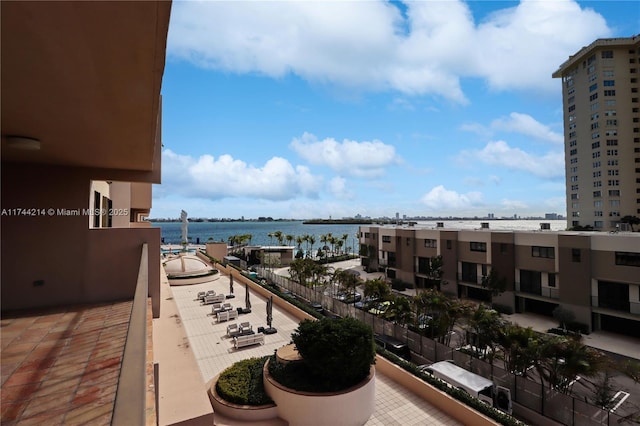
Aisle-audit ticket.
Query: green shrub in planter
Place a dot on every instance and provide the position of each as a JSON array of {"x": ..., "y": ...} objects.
[
  {"x": 336, "y": 353},
  {"x": 242, "y": 383}
]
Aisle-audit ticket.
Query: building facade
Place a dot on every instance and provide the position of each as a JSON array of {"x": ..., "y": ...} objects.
[
  {"x": 601, "y": 104},
  {"x": 594, "y": 275}
]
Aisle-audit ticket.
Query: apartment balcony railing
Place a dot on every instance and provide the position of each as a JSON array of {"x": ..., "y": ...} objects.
[
  {"x": 549, "y": 292},
  {"x": 470, "y": 279},
  {"x": 616, "y": 305}
]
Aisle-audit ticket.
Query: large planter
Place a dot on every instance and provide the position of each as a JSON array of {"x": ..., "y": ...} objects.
[
  {"x": 351, "y": 407},
  {"x": 248, "y": 413}
]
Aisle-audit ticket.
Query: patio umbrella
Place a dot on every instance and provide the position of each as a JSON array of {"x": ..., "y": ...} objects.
[
  {"x": 231, "y": 284},
  {"x": 269, "y": 311},
  {"x": 247, "y": 302}
]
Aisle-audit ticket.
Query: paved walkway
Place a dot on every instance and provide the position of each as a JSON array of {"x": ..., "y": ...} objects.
[{"x": 214, "y": 352}]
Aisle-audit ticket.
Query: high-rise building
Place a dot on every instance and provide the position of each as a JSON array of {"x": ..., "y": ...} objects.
[{"x": 602, "y": 132}]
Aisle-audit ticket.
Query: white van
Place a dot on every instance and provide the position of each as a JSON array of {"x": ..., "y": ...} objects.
[{"x": 471, "y": 383}]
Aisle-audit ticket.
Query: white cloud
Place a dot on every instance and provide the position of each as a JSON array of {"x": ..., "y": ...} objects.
[
  {"x": 428, "y": 52},
  {"x": 339, "y": 188},
  {"x": 516, "y": 122},
  {"x": 442, "y": 199},
  {"x": 499, "y": 153},
  {"x": 527, "y": 125},
  {"x": 225, "y": 177},
  {"x": 362, "y": 159}
]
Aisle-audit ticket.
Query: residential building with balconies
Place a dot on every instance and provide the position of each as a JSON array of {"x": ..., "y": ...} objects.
[
  {"x": 595, "y": 275},
  {"x": 601, "y": 107}
]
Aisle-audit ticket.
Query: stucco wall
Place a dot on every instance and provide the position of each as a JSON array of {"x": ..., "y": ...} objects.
[{"x": 51, "y": 259}]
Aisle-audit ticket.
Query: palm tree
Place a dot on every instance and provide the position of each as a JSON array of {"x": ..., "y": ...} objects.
[
  {"x": 561, "y": 359},
  {"x": 289, "y": 238},
  {"x": 400, "y": 310},
  {"x": 519, "y": 347},
  {"x": 376, "y": 289},
  {"x": 483, "y": 330},
  {"x": 329, "y": 240},
  {"x": 339, "y": 243},
  {"x": 323, "y": 240},
  {"x": 279, "y": 236},
  {"x": 270, "y": 235},
  {"x": 299, "y": 241},
  {"x": 344, "y": 238},
  {"x": 312, "y": 241}
]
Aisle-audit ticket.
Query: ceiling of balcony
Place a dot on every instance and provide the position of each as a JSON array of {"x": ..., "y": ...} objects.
[{"x": 84, "y": 79}]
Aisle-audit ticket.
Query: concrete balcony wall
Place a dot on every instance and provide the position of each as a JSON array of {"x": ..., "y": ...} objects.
[{"x": 52, "y": 258}]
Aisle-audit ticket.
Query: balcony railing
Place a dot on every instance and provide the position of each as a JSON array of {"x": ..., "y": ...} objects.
[
  {"x": 130, "y": 404},
  {"x": 616, "y": 305},
  {"x": 550, "y": 292}
]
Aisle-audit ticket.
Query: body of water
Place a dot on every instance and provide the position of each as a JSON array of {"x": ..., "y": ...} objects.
[{"x": 221, "y": 231}]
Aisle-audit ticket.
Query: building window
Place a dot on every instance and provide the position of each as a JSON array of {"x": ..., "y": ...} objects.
[
  {"x": 545, "y": 252},
  {"x": 551, "y": 280},
  {"x": 503, "y": 248},
  {"x": 408, "y": 241},
  {"x": 612, "y": 142},
  {"x": 609, "y": 92},
  {"x": 477, "y": 246},
  {"x": 598, "y": 224},
  {"x": 610, "y": 113},
  {"x": 593, "y": 97},
  {"x": 575, "y": 255},
  {"x": 386, "y": 239},
  {"x": 593, "y": 87},
  {"x": 449, "y": 244},
  {"x": 431, "y": 243},
  {"x": 597, "y": 194},
  {"x": 614, "y": 193},
  {"x": 612, "y": 152},
  {"x": 596, "y": 164},
  {"x": 612, "y": 172},
  {"x": 574, "y": 151},
  {"x": 607, "y": 54},
  {"x": 597, "y": 204},
  {"x": 611, "y": 122},
  {"x": 595, "y": 145},
  {"x": 609, "y": 83}
]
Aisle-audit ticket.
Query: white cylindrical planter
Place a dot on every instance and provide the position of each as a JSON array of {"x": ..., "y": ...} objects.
[{"x": 351, "y": 407}]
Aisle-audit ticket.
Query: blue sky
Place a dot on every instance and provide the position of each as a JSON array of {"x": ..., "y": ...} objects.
[{"x": 333, "y": 109}]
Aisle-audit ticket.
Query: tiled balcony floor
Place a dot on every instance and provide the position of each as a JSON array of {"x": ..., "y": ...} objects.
[{"x": 61, "y": 366}]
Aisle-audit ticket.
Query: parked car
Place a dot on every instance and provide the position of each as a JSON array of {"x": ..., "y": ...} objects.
[
  {"x": 393, "y": 345},
  {"x": 349, "y": 297},
  {"x": 366, "y": 303},
  {"x": 381, "y": 308}
]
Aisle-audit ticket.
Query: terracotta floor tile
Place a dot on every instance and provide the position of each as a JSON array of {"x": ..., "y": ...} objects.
[
  {"x": 87, "y": 414},
  {"x": 12, "y": 394},
  {"x": 35, "y": 335},
  {"x": 20, "y": 379},
  {"x": 56, "y": 404},
  {"x": 38, "y": 364},
  {"x": 11, "y": 411},
  {"x": 66, "y": 386},
  {"x": 19, "y": 348},
  {"x": 42, "y": 419}
]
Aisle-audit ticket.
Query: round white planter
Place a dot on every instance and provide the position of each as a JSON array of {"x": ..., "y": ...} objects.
[
  {"x": 351, "y": 407},
  {"x": 248, "y": 413}
]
